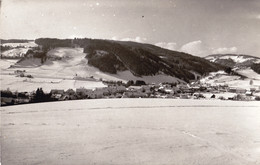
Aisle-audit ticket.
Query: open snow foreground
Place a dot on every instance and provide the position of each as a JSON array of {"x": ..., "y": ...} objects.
[{"x": 132, "y": 131}]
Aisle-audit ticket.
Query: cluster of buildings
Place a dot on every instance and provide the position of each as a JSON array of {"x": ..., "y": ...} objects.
[
  {"x": 163, "y": 90},
  {"x": 22, "y": 73}
]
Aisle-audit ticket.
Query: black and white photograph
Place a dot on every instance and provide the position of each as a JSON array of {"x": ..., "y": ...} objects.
[{"x": 130, "y": 82}]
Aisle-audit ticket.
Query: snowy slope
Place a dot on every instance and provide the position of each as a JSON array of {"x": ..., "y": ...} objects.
[
  {"x": 233, "y": 60},
  {"x": 26, "y": 44},
  {"x": 222, "y": 78},
  {"x": 248, "y": 72},
  {"x": 74, "y": 64},
  {"x": 140, "y": 59},
  {"x": 51, "y": 75},
  {"x": 70, "y": 71},
  {"x": 17, "y": 50},
  {"x": 233, "y": 57},
  {"x": 241, "y": 64}
]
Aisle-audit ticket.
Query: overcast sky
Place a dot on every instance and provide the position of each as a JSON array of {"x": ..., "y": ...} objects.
[{"x": 199, "y": 27}]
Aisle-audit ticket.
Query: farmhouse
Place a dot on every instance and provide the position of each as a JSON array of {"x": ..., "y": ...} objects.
[
  {"x": 136, "y": 94},
  {"x": 232, "y": 90},
  {"x": 240, "y": 90},
  {"x": 182, "y": 86},
  {"x": 70, "y": 92},
  {"x": 120, "y": 88},
  {"x": 112, "y": 89},
  {"x": 57, "y": 91},
  {"x": 83, "y": 92},
  {"x": 134, "y": 88},
  {"x": 249, "y": 93},
  {"x": 184, "y": 96},
  {"x": 7, "y": 101},
  {"x": 98, "y": 93},
  {"x": 19, "y": 71},
  {"x": 57, "y": 96}
]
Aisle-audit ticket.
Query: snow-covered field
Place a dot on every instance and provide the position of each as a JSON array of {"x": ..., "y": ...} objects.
[{"x": 132, "y": 131}]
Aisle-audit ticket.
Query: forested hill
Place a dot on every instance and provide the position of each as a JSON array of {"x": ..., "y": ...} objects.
[{"x": 141, "y": 59}]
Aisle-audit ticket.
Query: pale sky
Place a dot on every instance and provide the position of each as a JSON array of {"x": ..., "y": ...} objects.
[{"x": 199, "y": 27}]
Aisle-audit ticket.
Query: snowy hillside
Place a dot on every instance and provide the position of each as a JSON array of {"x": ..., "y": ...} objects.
[
  {"x": 16, "y": 50},
  {"x": 26, "y": 44},
  {"x": 248, "y": 72},
  {"x": 14, "y": 53},
  {"x": 73, "y": 64},
  {"x": 244, "y": 65},
  {"x": 71, "y": 70},
  {"x": 222, "y": 78},
  {"x": 74, "y": 67},
  {"x": 141, "y": 60},
  {"x": 233, "y": 60}
]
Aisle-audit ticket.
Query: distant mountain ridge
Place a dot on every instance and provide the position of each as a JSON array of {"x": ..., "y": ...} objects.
[
  {"x": 14, "y": 41},
  {"x": 233, "y": 60},
  {"x": 140, "y": 59},
  {"x": 236, "y": 61}
]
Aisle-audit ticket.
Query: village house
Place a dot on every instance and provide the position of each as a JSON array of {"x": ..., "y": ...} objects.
[
  {"x": 120, "y": 88},
  {"x": 222, "y": 88},
  {"x": 70, "y": 92},
  {"x": 195, "y": 88},
  {"x": 127, "y": 94},
  {"x": 113, "y": 89},
  {"x": 57, "y": 96},
  {"x": 21, "y": 100},
  {"x": 118, "y": 95},
  {"x": 184, "y": 96},
  {"x": 249, "y": 93},
  {"x": 252, "y": 89},
  {"x": 57, "y": 91},
  {"x": 134, "y": 88},
  {"x": 187, "y": 91},
  {"x": 169, "y": 91},
  {"x": 83, "y": 92},
  {"x": 7, "y": 101},
  {"x": 212, "y": 89},
  {"x": 66, "y": 97},
  {"x": 232, "y": 90},
  {"x": 241, "y": 97},
  {"x": 182, "y": 86},
  {"x": 198, "y": 96},
  {"x": 91, "y": 95},
  {"x": 98, "y": 93},
  {"x": 19, "y": 71},
  {"x": 240, "y": 91},
  {"x": 106, "y": 91},
  {"x": 134, "y": 94}
]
